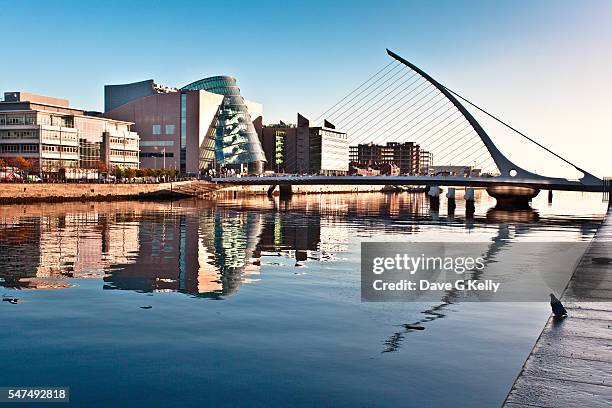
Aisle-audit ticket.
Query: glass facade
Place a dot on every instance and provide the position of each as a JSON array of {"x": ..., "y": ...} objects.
[{"x": 236, "y": 141}]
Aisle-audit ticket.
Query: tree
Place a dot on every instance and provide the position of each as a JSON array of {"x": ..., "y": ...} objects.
[
  {"x": 22, "y": 164},
  {"x": 140, "y": 173},
  {"x": 3, "y": 163},
  {"x": 118, "y": 171},
  {"x": 101, "y": 167},
  {"x": 130, "y": 172}
]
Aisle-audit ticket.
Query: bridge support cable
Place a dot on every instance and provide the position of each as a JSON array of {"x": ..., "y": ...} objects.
[
  {"x": 385, "y": 68},
  {"x": 434, "y": 131},
  {"x": 399, "y": 118},
  {"x": 444, "y": 138},
  {"x": 343, "y": 118},
  {"x": 401, "y": 121},
  {"x": 373, "y": 80},
  {"x": 394, "y": 73},
  {"x": 413, "y": 121},
  {"x": 351, "y": 110},
  {"x": 394, "y": 100},
  {"x": 515, "y": 130},
  {"x": 412, "y": 134},
  {"x": 457, "y": 154},
  {"x": 385, "y": 113},
  {"x": 483, "y": 158},
  {"x": 438, "y": 112},
  {"x": 446, "y": 148}
]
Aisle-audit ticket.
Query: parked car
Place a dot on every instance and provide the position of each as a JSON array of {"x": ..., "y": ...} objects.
[{"x": 34, "y": 178}]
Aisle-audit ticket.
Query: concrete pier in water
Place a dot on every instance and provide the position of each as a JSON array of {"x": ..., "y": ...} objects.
[{"x": 571, "y": 363}]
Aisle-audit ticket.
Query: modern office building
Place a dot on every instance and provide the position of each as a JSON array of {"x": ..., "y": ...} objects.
[
  {"x": 53, "y": 136},
  {"x": 204, "y": 125},
  {"x": 404, "y": 155},
  {"x": 306, "y": 149},
  {"x": 321, "y": 149},
  {"x": 279, "y": 144}
]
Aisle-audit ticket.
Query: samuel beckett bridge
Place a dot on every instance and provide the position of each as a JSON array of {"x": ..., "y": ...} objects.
[{"x": 402, "y": 103}]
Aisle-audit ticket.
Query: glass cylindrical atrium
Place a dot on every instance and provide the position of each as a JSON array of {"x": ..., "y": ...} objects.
[{"x": 236, "y": 141}]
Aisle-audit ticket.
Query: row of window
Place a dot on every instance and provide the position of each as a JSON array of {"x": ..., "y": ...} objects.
[
  {"x": 18, "y": 119},
  {"x": 53, "y": 120},
  {"x": 57, "y": 135},
  {"x": 60, "y": 149},
  {"x": 50, "y": 163},
  {"x": 155, "y": 154},
  {"x": 117, "y": 140},
  {"x": 19, "y": 148},
  {"x": 157, "y": 143},
  {"x": 124, "y": 153},
  {"x": 156, "y": 130},
  {"x": 18, "y": 134}
]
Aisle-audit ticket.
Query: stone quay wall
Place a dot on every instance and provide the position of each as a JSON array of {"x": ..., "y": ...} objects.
[{"x": 55, "y": 192}]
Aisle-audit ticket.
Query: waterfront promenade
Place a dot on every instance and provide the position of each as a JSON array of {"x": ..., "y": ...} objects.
[
  {"x": 23, "y": 193},
  {"x": 571, "y": 363},
  {"x": 13, "y": 193}
]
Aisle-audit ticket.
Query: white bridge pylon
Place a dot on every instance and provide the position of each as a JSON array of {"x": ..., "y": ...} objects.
[{"x": 508, "y": 169}]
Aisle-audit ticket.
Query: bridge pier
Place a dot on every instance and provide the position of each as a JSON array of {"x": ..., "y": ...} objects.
[
  {"x": 470, "y": 207},
  {"x": 434, "y": 197},
  {"x": 550, "y": 196},
  {"x": 270, "y": 192},
  {"x": 450, "y": 195},
  {"x": 512, "y": 197},
  {"x": 285, "y": 190}
]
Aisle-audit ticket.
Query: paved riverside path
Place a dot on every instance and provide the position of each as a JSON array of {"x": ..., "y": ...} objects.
[{"x": 571, "y": 363}]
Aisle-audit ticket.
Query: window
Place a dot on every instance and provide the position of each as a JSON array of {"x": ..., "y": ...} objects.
[
  {"x": 145, "y": 143},
  {"x": 16, "y": 120},
  {"x": 29, "y": 148},
  {"x": 157, "y": 129},
  {"x": 169, "y": 129},
  {"x": 155, "y": 154}
]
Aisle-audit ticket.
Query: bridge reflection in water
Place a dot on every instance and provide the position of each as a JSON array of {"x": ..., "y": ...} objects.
[{"x": 209, "y": 249}]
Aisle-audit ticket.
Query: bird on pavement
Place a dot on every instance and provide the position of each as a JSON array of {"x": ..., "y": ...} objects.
[{"x": 557, "y": 307}]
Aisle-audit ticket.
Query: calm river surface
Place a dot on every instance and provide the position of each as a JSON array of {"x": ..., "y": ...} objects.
[{"x": 257, "y": 302}]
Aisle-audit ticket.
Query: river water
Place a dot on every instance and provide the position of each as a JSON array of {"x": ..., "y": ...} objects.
[{"x": 257, "y": 302}]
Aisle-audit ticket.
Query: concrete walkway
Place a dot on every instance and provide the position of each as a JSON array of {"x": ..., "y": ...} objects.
[{"x": 571, "y": 363}]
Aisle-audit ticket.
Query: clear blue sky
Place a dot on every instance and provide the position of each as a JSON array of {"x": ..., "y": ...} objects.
[{"x": 533, "y": 62}]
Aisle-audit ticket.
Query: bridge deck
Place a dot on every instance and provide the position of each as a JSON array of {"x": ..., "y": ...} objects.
[
  {"x": 543, "y": 184},
  {"x": 571, "y": 363}
]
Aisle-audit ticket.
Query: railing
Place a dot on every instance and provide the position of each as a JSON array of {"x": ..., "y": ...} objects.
[{"x": 607, "y": 182}]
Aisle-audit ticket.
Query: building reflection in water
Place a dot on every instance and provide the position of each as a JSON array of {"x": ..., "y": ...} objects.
[
  {"x": 203, "y": 248},
  {"x": 43, "y": 251}
]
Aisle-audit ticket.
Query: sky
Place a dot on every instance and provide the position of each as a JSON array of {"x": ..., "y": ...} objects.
[{"x": 545, "y": 66}]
